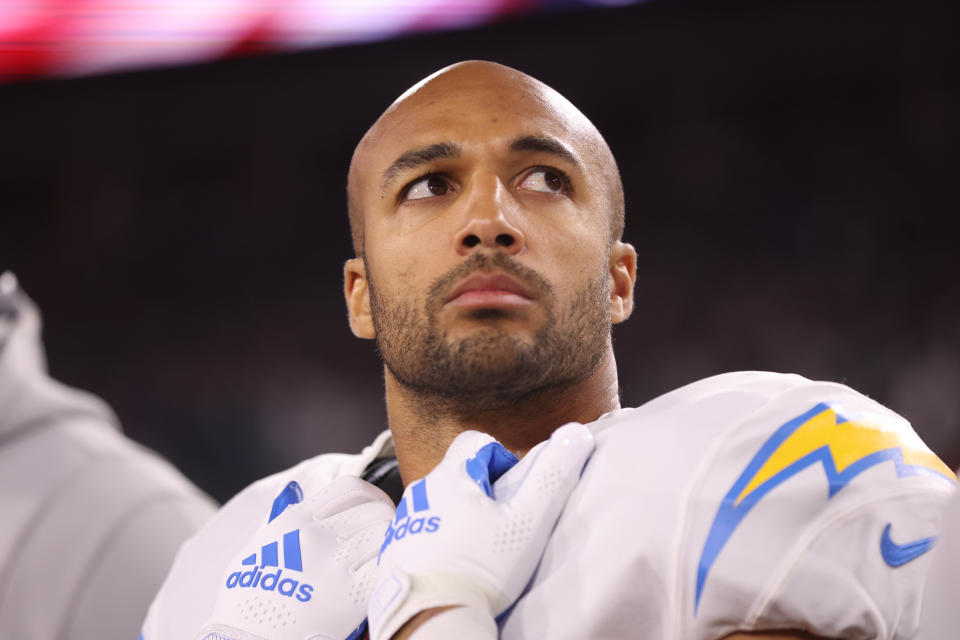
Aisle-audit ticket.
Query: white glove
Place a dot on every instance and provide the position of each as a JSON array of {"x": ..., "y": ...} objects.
[
  {"x": 455, "y": 541},
  {"x": 308, "y": 573}
]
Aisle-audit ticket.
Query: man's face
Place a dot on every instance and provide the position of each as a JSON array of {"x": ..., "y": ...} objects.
[{"x": 486, "y": 239}]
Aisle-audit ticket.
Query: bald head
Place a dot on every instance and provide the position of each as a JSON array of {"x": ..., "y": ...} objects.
[{"x": 489, "y": 94}]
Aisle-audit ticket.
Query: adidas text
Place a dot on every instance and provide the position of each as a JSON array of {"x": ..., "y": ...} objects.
[
  {"x": 406, "y": 522},
  {"x": 256, "y": 577},
  {"x": 259, "y": 573}
]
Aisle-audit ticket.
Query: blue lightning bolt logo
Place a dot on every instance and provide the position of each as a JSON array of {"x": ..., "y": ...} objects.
[{"x": 845, "y": 448}]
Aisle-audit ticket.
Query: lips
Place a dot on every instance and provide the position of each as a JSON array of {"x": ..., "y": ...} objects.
[{"x": 489, "y": 289}]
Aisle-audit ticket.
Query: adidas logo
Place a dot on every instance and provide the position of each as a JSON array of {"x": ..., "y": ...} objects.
[
  {"x": 406, "y": 523},
  {"x": 260, "y": 576}
]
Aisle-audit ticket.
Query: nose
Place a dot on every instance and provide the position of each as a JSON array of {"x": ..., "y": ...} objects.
[{"x": 487, "y": 222}]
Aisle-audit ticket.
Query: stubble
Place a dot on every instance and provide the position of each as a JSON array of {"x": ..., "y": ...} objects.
[{"x": 492, "y": 367}]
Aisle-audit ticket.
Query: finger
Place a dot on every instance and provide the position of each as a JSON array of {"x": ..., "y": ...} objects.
[
  {"x": 464, "y": 446},
  {"x": 478, "y": 454},
  {"x": 359, "y": 517},
  {"x": 488, "y": 464},
  {"x": 481, "y": 456},
  {"x": 345, "y": 493},
  {"x": 553, "y": 471}
]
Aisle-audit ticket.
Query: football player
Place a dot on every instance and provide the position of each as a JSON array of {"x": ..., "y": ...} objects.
[{"x": 487, "y": 217}]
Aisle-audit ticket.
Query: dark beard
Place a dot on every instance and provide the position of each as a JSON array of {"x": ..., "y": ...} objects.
[{"x": 492, "y": 369}]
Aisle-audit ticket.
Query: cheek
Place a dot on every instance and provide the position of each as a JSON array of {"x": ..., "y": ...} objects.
[
  {"x": 578, "y": 225},
  {"x": 577, "y": 253},
  {"x": 578, "y": 277},
  {"x": 400, "y": 277},
  {"x": 406, "y": 239},
  {"x": 411, "y": 230}
]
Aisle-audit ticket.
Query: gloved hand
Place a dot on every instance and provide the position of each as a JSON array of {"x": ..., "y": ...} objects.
[
  {"x": 462, "y": 538},
  {"x": 308, "y": 573}
]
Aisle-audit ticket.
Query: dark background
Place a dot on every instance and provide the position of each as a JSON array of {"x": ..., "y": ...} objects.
[{"x": 791, "y": 181}]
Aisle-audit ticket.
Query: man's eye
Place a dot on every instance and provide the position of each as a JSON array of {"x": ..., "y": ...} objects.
[
  {"x": 426, "y": 187},
  {"x": 546, "y": 181}
]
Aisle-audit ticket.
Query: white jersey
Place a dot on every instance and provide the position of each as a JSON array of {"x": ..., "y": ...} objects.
[
  {"x": 91, "y": 521},
  {"x": 746, "y": 501}
]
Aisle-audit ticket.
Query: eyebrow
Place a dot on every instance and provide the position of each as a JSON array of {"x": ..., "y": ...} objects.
[
  {"x": 543, "y": 144},
  {"x": 442, "y": 150},
  {"x": 416, "y": 157}
]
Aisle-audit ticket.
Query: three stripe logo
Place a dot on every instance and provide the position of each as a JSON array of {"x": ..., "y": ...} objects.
[
  {"x": 418, "y": 495},
  {"x": 262, "y": 575},
  {"x": 268, "y": 553},
  {"x": 410, "y": 523}
]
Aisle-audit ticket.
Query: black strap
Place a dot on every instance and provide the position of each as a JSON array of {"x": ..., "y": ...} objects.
[{"x": 385, "y": 474}]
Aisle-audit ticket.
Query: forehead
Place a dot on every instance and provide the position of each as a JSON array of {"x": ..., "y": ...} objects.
[
  {"x": 474, "y": 108},
  {"x": 496, "y": 103}
]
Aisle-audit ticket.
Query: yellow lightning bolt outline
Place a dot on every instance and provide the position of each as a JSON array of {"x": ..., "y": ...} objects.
[{"x": 848, "y": 441}]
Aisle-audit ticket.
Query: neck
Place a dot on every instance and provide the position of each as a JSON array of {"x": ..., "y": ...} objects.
[{"x": 424, "y": 426}]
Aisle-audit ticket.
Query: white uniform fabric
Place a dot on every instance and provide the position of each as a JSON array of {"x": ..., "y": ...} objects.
[
  {"x": 745, "y": 501},
  {"x": 343, "y": 523},
  {"x": 186, "y": 599},
  {"x": 663, "y": 487},
  {"x": 940, "y": 617},
  {"x": 476, "y": 547},
  {"x": 91, "y": 521}
]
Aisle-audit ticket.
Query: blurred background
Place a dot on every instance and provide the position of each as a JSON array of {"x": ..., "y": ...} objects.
[{"x": 172, "y": 196}]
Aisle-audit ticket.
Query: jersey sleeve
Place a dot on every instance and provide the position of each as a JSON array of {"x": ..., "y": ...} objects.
[{"x": 814, "y": 512}]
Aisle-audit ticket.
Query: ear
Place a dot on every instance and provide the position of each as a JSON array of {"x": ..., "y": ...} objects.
[
  {"x": 357, "y": 294},
  {"x": 623, "y": 274}
]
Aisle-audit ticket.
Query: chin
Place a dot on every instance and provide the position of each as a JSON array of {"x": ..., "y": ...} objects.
[{"x": 486, "y": 337}]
